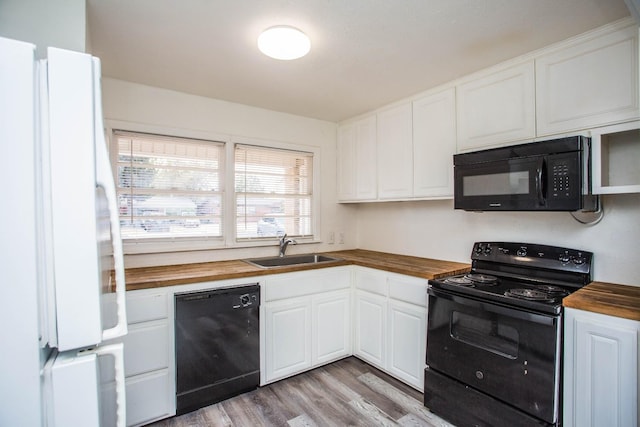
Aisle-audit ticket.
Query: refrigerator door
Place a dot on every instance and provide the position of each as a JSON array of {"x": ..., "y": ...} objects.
[
  {"x": 74, "y": 393},
  {"x": 20, "y": 367},
  {"x": 80, "y": 179}
]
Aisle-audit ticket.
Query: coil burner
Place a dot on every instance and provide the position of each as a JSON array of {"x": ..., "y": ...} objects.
[
  {"x": 485, "y": 279},
  {"x": 460, "y": 281},
  {"x": 529, "y": 294}
]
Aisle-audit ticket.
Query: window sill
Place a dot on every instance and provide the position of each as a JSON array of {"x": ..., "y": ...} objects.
[{"x": 157, "y": 247}]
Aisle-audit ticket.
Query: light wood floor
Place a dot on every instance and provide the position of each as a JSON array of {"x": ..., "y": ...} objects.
[{"x": 345, "y": 393}]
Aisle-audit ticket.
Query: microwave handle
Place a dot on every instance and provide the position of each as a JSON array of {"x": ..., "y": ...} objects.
[{"x": 540, "y": 182}]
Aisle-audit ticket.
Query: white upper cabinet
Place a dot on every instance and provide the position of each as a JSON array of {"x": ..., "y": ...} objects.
[
  {"x": 395, "y": 153},
  {"x": 497, "y": 108},
  {"x": 589, "y": 83},
  {"x": 357, "y": 174},
  {"x": 434, "y": 144}
]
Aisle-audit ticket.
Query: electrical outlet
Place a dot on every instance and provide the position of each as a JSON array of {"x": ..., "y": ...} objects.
[
  {"x": 340, "y": 238},
  {"x": 332, "y": 238}
]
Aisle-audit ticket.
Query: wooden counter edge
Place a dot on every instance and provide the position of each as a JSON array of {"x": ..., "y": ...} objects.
[{"x": 607, "y": 298}]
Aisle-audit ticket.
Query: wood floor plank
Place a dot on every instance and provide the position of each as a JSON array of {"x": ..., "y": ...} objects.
[
  {"x": 411, "y": 405},
  {"x": 348, "y": 392},
  {"x": 302, "y": 421},
  {"x": 349, "y": 373},
  {"x": 215, "y": 415},
  {"x": 373, "y": 414}
]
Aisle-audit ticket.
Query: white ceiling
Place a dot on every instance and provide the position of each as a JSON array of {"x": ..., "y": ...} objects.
[{"x": 364, "y": 53}]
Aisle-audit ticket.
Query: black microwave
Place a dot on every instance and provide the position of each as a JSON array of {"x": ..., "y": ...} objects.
[{"x": 550, "y": 175}]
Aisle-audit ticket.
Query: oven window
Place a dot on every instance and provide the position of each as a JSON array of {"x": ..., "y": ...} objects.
[
  {"x": 486, "y": 334},
  {"x": 496, "y": 184}
]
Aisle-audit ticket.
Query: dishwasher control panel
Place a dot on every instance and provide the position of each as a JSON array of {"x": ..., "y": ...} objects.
[{"x": 247, "y": 300}]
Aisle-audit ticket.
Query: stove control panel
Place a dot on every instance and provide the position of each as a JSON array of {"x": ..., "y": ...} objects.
[{"x": 533, "y": 256}]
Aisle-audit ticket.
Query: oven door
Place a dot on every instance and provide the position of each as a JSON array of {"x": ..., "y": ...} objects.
[{"x": 510, "y": 354}]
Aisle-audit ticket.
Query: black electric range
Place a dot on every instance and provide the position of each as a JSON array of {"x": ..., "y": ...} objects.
[{"x": 494, "y": 336}]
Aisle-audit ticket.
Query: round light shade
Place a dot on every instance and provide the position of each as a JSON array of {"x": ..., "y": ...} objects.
[{"x": 284, "y": 42}]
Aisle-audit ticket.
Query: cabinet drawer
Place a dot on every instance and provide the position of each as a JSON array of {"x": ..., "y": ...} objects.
[
  {"x": 148, "y": 398},
  {"x": 143, "y": 306},
  {"x": 408, "y": 289},
  {"x": 373, "y": 281},
  {"x": 146, "y": 348},
  {"x": 293, "y": 285}
]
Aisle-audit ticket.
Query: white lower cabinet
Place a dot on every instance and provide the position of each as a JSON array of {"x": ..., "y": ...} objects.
[
  {"x": 288, "y": 339},
  {"x": 307, "y": 321},
  {"x": 370, "y": 327},
  {"x": 390, "y": 318},
  {"x": 406, "y": 348},
  {"x": 148, "y": 361},
  {"x": 601, "y": 370},
  {"x": 331, "y": 324}
]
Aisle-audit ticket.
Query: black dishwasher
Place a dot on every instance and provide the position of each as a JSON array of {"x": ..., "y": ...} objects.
[{"x": 217, "y": 345}]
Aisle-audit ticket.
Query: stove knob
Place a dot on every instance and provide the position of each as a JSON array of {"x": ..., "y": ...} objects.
[
  {"x": 522, "y": 251},
  {"x": 579, "y": 260},
  {"x": 478, "y": 249},
  {"x": 564, "y": 258},
  {"x": 487, "y": 250}
]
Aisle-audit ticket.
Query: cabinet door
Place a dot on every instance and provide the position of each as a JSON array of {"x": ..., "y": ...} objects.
[
  {"x": 331, "y": 338},
  {"x": 395, "y": 153},
  {"x": 434, "y": 144},
  {"x": 346, "y": 153},
  {"x": 407, "y": 342},
  {"x": 370, "y": 328},
  {"x": 496, "y": 109},
  {"x": 356, "y": 154},
  {"x": 601, "y": 370},
  {"x": 589, "y": 84},
  {"x": 288, "y": 337}
]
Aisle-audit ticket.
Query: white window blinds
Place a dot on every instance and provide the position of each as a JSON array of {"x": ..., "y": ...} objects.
[
  {"x": 169, "y": 187},
  {"x": 274, "y": 192}
]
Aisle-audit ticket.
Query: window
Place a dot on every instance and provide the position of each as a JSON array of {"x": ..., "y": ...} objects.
[
  {"x": 169, "y": 187},
  {"x": 274, "y": 192}
]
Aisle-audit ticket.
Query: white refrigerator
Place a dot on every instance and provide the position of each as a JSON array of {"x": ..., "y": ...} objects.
[{"x": 62, "y": 305}]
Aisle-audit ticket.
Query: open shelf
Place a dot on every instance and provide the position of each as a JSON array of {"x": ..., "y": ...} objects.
[{"x": 616, "y": 159}]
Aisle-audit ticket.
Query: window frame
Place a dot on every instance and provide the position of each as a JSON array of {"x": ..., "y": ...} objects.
[
  {"x": 313, "y": 208},
  {"x": 229, "y": 240}
]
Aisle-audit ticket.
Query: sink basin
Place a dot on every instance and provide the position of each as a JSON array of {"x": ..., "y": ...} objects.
[{"x": 271, "y": 262}]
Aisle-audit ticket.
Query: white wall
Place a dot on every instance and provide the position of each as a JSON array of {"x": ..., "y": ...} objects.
[
  {"x": 59, "y": 23},
  {"x": 433, "y": 229},
  {"x": 130, "y": 102}
]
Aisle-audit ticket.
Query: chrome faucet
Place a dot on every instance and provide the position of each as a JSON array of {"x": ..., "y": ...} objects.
[{"x": 284, "y": 242}]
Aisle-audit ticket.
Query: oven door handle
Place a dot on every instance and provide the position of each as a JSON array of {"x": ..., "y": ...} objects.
[{"x": 492, "y": 307}]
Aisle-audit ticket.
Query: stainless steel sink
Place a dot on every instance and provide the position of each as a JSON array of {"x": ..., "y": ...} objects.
[{"x": 288, "y": 260}]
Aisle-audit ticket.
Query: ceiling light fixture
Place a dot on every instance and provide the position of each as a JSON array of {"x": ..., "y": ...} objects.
[{"x": 284, "y": 42}]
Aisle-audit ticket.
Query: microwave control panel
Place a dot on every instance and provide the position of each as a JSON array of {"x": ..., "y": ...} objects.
[{"x": 564, "y": 184}]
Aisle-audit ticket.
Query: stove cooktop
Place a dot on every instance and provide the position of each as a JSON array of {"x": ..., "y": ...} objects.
[
  {"x": 516, "y": 293},
  {"x": 528, "y": 276}
]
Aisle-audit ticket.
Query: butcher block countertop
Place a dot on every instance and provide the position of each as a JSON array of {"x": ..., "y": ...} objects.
[
  {"x": 154, "y": 277},
  {"x": 607, "y": 298}
]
